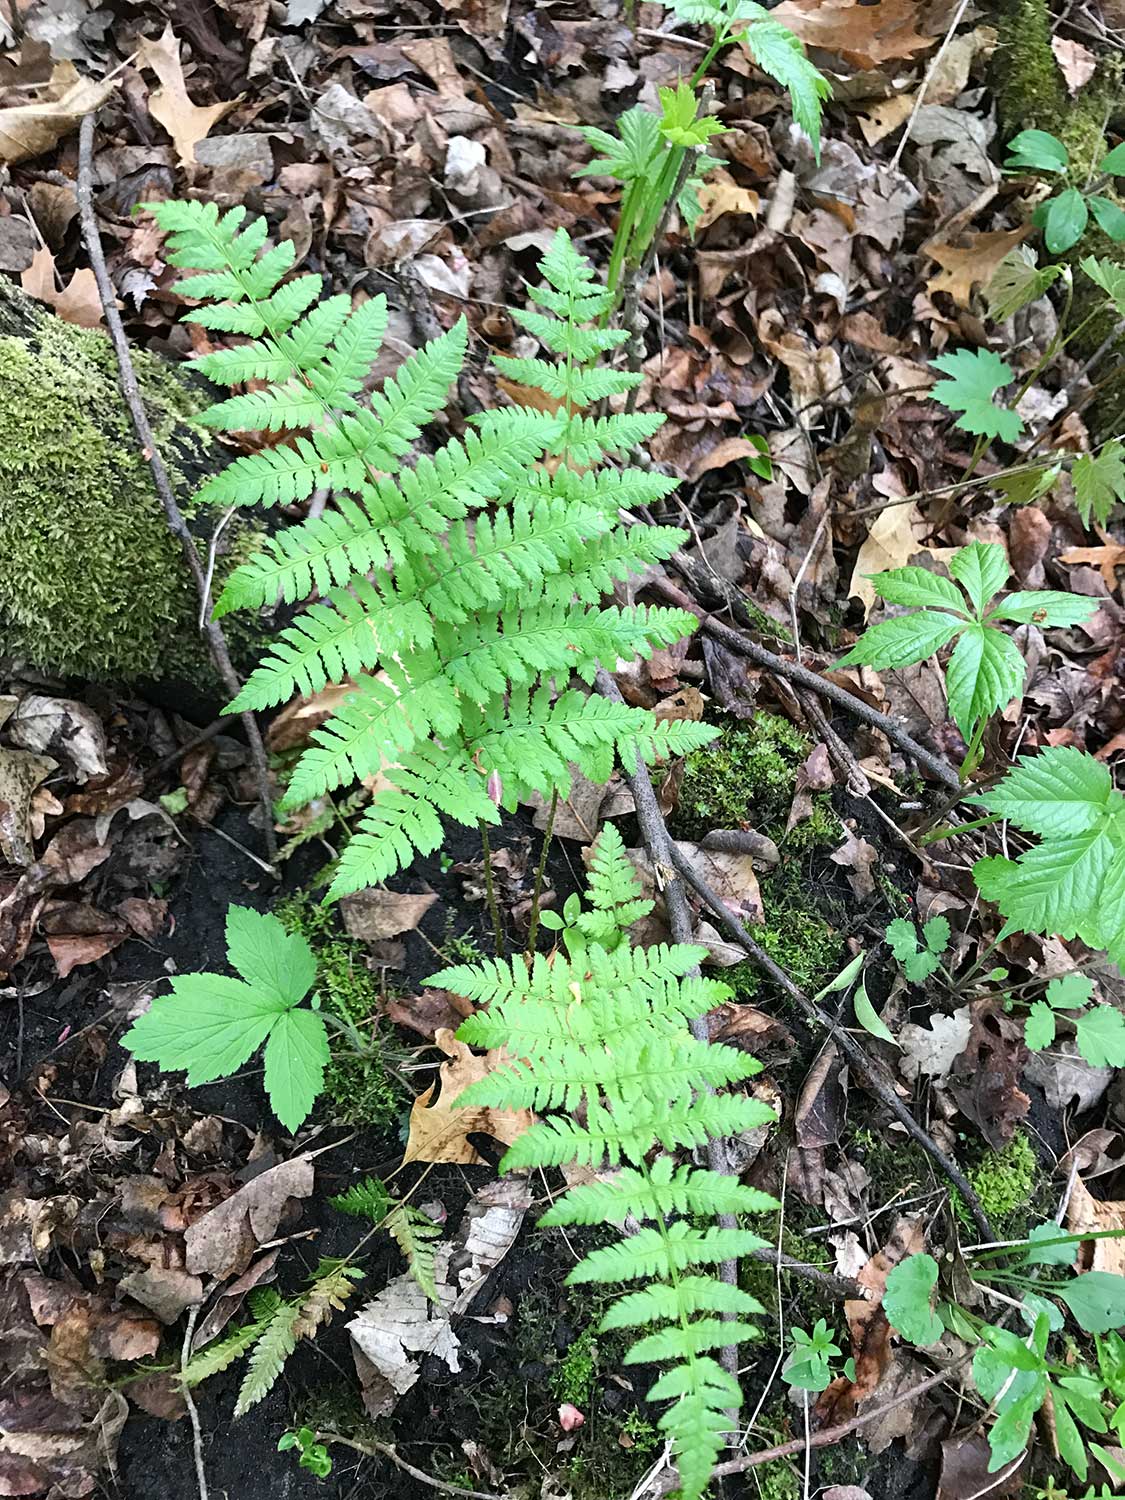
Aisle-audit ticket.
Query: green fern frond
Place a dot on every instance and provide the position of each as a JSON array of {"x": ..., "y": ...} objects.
[
  {"x": 273, "y": 1347},
  {"x": 415, "y": 1232},
  {"x": 220, "y": 1355},
  {"x": 657, "y": 1195},
  {"x": 368, "y": 1199}
]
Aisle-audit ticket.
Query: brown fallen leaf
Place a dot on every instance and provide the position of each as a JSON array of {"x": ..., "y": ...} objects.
[
  {"x": 1107, "y": 559},
  {"x": 223, "y": 1241},
  {"x": 966, "y": 1472},
  {"x": 814, "y": 775},
  {"x": 20, "y": 773},
  {"x": 169, "y": 105},
  {"x": 428, "y": 1012},
  {"x": 28, "y": 130},
  {"x": 1085, "y": 1212},
  {"x": 720, "y": 195},
  {"x": 864, "y": 35},
  {"x": 373, "y": 915},
  {"x": 893, "y": 538},
  {"x": 1077, "y": 63},
  {"x": 972, "y": 263},
  {"x": 984, "y": 1080},
  {"x": 439, "y": 1131}
]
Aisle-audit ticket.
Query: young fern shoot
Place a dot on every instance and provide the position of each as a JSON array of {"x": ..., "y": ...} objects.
[
  {"x": 601, "y": 1032},
  {"x": 461, "y": 627}
]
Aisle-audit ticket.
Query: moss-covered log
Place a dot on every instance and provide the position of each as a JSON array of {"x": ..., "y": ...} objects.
[{"x": 91, "y": 581}]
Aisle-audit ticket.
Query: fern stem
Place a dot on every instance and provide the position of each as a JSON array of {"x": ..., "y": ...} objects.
[
  {"x": 490, "y": 892},
  {"x": 533, "y": 928},
  {"x": 189, "y": 1402}
]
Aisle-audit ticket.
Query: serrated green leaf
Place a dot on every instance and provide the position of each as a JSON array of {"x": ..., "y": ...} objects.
[
  {"x": 1066, "y": 220},
  {"x": 1052, "y": 887},
  {"x": 903, "y": 939},
  {"x": 209, "y": 1025},
  {"x": 907, "y": 1299},
  {"x": 1060, "y": 791},
  {"x": 986, "y": 671},
  {"x": 1031, "y": 484},
  {"x": 296, "y": 1057},
  {"x": 1039, "y": 150},
  {"x": 1100, "y": 1033},
  {"x": 903, "y": 640},
  {"x": 973, "y": 379},
  {"x": 279, "y": 964},
  {"x": 1047, "y": 608},
  {"x": 918, "y": 588},
  {"x": 1070, "y": 991},
  {"x": 1110, "y": 277},
  {"x": 982, "y": 569},
  {"x": 868, "y": 1017},
  {"x": 1099, "y": 482},
  {"x": 936, "y": 934},
  {"x": 1039, "y": 1026}
]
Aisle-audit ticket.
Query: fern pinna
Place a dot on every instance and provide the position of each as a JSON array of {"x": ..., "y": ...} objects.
[
  {"x": 460, "y": 593},
  {"x": 602, "y": 1033}
]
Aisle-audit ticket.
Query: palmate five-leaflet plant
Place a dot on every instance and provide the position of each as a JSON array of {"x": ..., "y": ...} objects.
[
  {"x": 601, "y": 1033},
  {"x": 461, "y": 631}
]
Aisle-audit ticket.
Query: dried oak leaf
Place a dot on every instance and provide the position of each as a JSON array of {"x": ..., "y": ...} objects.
[
  {"x": 1085, "y": 1212},
  {"x": 863, "y": 35},
  {"x": 28, "y": 130},
  {"x": 439, "y": 1131},
  {"x": 169, "y": 105}
]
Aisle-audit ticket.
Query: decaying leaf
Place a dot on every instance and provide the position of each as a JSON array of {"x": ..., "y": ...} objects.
[
  {"x": 28, "y": 130},
  {"x": 1085, "y": 1212},
  {"x": 439, "y": 1130},
  {"x": 895, "y": 535},
  {"x": 970, "y": 264},
  {"x": 864, "y": 35},
  {"x": 375, "y": 914},
  {"x": 78, "y": 302},
  {"x": 984, "y": 1079},
  {"x": 20, "y": 773},
  {"x": 223, "y": 1242}
]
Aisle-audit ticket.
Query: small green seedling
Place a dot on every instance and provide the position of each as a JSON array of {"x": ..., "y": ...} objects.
[
  {"x": 918, "y": 960},
  {"x": 986, "y": 670},
  {"x": 1099, "y": 1030},
  {"x": 1014, "y": 1373},
  {"x": 1064, "y": 216},
  {"x": 809, "y": 1364},
  {"x": 314, "y": 1456},
  {"x": 412, "y": 1230},
  {"x": 211, "y": 1025},
  {"x": 760, "y": 461}
]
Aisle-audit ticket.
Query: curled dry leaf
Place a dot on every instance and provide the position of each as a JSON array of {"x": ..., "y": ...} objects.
[
  {"x": 373, "y": 915},
  {"x": 1085, "y": 1212},
  {"x": 895, "y": 535},
  {"x": 223, "y": 1242},
  {"x": 439, "y": 1130}
]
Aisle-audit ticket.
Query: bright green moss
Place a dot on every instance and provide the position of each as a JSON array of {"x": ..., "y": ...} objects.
[
  {"x": 573, "y": 1377},
  {"x": 745, "y": 776},
  {"x": 1005, "y": 1182},
  {"x": 356, "y": 1081},
  {"x": 805, "y": 945},
  {"x": 91, "y": 581}
]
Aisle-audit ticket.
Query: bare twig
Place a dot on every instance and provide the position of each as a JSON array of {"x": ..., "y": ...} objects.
[
  {"x": 742, "y": 645},
  {"x": 375, "y": 1449},
  {"x": 829, "y": 1435},
  {"x": 147, "y": 439},
  {"x": 852, "y": 1049},
  {"x": 828, "y": 1281},
  {"x": 189, "y": 1400},
  {"x": 920, "y": 97}
]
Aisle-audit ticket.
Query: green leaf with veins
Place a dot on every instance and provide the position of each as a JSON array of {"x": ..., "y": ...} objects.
[
  {"x": 1038, "y": 150},
  {"x": 907, "y": 1300},
  {"x": 1069, "y": 991},
  {"x": 1032, "y": 484},
  {"x": 986, "y": 671},
  {"x": 1017, "y": 280},
  {"x": 1060, "y": 791},
  {"x": 1109, "y": 217},
  {"x": 1114, "y": 162},
  {"x": 1065, "y": 220},
  {"x": 918, "y": 588},
  {"x": 936, "y": 933},
  {"x": 275, "y": 962},
  {"x": 1110, "y": 277},
  {"x": 982, "y": 569},
  {"x": 1100, "y": 1034},
  {"x": 1050, "y": 609},
  {"x": 903, "y": 640},
  {"x": 1050, "y": 1254},
  {"x": 974, "y": 378},
  {"x": 1039, "y": 1026},
  {"x": 1099, "y": 482},
  {"x": 1096, "y": 1300}
]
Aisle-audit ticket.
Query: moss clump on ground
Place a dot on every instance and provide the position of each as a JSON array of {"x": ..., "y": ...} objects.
[
  {"x": 747, "y": 777},
  {"x": 91, "y": 581},
  {"x": 573, "y": 1377},
  {"x": 355, "y": 1082},
  {"x": 1009, "y": 1186},
  {"x": 805, "y": 944}
]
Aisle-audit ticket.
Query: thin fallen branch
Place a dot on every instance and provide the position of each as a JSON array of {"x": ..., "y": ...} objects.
[
  {"x": 828, "y": 1281},
  {"x": 192, "y": 1409},
  {"x": 373, "y": 1449},
  {"x": 856, "y": 1055},
  {"x": 658, "y": 842},
  {"x": 742, "y": 645},
  {"x": 216, "y": 641},
  {"x": 829, "y": 1435}
]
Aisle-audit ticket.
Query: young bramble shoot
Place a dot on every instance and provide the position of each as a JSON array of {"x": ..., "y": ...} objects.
[
  {"x": 1099, "y": 1030},
  {"x": 211, "y": 1025},
  {"x": 986, "y": 670},
  {"x": 918, "y": 960}
]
